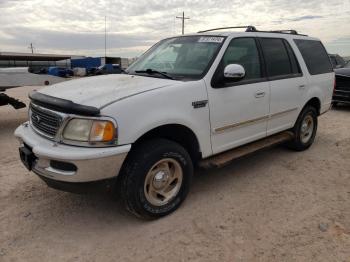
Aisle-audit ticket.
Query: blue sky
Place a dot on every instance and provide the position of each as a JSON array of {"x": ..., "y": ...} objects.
[{"x": 77, "y": 26}]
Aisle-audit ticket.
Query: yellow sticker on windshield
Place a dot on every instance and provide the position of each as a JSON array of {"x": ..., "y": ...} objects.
[{"x": 210, "y": 39}]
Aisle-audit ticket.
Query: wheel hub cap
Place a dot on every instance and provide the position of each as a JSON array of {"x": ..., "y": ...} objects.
[
  {"x": 163, "y": 182},
  {"x": 160, "y": 179},
  {"x": 307, "y": 128}
]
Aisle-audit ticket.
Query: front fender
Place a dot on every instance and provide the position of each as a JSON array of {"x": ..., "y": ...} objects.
[{"x": 141, "y": 113}]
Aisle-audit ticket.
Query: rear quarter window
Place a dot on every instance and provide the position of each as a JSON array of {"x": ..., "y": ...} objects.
[{"x": 315, "y": 56}]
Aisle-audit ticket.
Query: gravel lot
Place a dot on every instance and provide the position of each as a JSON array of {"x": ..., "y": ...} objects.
[{"x": 276, "y": 205}]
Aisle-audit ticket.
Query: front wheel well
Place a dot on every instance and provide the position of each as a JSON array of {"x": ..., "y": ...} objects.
[{"x": 177, "y": 133}]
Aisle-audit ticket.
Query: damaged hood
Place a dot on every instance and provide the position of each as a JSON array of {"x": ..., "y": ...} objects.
[{"x": 99, "y": 91}]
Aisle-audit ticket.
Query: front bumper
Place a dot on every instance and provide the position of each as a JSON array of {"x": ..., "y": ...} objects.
[
  {"x": 91, "y": 164},
  {"x": 341, "y": 96}
]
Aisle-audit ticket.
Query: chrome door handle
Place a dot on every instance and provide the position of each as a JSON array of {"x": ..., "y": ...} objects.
[{"x": 259, "y": 94}]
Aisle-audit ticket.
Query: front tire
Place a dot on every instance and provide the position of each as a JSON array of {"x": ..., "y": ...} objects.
[
  {"x": 304, "y": 129},
  {"x": 156, "y": 178}
]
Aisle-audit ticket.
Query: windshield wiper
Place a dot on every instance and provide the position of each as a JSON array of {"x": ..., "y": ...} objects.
[{"x": 152, "y": 71}]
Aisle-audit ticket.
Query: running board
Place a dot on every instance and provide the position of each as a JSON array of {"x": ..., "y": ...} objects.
[{"x": 227, "y": 157}]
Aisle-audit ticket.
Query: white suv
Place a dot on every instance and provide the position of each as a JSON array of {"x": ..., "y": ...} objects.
[{"x": 200, "y": 99}]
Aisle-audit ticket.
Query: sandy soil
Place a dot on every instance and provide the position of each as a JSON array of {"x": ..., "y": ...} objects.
[{"x": 276, "y": 205}]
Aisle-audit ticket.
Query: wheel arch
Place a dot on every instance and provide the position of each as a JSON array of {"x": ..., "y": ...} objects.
[
  {"x": 178, "y": 133},
  {"x": 314, "y": 102}
]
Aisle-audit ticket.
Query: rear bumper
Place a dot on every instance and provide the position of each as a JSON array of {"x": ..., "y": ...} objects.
[{"x": 75, "y": 164}]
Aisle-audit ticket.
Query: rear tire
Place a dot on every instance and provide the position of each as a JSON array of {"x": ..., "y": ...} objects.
[
  {"x": 304, "y": 129},
  {"x": 156, "y": 178}
]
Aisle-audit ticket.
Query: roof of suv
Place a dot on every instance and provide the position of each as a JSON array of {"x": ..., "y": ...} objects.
[{"x": 251, "y": 29}]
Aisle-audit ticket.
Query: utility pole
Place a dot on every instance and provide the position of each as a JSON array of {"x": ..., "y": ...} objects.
[
  {"x": 183, "y": 21},
  {"x": 105, "y": 36},
  {"x": 31, "y": 47}
]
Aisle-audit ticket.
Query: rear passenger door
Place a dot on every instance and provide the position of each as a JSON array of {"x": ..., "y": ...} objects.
[{"x": 287, "y": 83}]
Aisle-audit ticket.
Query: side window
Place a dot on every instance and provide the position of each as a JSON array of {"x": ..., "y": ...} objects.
[
  {"x": 276, "y": 57},
  {"x": 293, "y": 60},
  {"x": 315, "y": 56},
  {"x": 340, "y": 61},
  {"x": 334, "y": 61},
  {"x": 243, "y": 51}
]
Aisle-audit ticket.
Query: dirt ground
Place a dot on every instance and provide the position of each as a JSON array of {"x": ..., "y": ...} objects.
[{"x": 276, "y": 205}]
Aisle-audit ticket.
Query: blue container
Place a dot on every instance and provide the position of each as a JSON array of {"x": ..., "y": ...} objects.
[
  {"x": 88, "y": 62},
  {"x": 60, "y": 72}
]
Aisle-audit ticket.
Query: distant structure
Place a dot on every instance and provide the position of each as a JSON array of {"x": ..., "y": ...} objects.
[
  {"x": 37, "y": 62},
  {"x": 31, "y": 47},
  {"x": 183, "y": 18},
  {"x": 33, "y": 61},
  {"x": 91, "y": 62}
]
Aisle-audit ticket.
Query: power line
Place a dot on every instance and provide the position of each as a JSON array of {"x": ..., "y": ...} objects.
[
  {"x": 183, "y": 21},
  {"x": 105, "y": 36}
]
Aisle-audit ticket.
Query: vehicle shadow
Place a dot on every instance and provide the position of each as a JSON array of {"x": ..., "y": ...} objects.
[
  {"x": 9, "y": 122},
  {"x": 108, "y": 210}
]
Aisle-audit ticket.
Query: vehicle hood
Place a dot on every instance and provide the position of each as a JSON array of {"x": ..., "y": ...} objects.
[
  {"x": 99, "y": 91},
  {"x": 342, "y": 72}
]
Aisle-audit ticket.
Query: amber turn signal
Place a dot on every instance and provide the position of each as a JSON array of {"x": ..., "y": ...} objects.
[{"x": 102, "y": 131}]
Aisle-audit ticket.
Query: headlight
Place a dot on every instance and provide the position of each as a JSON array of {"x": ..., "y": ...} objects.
[{"x": 90, "y": 131}]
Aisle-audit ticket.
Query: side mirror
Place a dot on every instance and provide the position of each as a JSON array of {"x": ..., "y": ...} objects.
[{"x": 234, "y": 72}]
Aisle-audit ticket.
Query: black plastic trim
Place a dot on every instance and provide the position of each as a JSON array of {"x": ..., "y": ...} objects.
[
  {"x": 62, "y": 105},
  {"x": 64, "y": 166},
  {"x": 99, "y": 186}
]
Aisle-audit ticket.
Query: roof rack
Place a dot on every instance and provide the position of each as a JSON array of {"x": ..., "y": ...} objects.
[
  {"x": 288, "y": 31},
  {"x": 251, "y": 28}
]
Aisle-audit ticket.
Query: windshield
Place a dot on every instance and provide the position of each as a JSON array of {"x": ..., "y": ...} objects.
[{"x": 186, "y": 57}]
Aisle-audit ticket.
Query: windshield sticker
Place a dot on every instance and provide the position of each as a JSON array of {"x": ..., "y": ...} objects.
[{"x": 210, "y": 39}]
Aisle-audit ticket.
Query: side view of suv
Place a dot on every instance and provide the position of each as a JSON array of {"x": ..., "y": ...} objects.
[{"x": 220, "y": 95}]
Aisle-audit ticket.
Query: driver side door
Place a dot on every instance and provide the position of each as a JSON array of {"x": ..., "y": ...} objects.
[{"x": 239, "y": 109}]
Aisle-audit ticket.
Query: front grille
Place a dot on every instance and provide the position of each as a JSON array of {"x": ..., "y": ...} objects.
[
  {"x": 44, "y": 121},
  {"x": 342, "y": 83},
  {"x": 341, "y": 95}
]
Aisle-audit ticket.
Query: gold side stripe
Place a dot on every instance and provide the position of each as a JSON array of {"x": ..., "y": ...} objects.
[
  {"x": 220, "y": 129},
  {"x": 283, "y": 112},
  {"x": 248, "y": 122}
]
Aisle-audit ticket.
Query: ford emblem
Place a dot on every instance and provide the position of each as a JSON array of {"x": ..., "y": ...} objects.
[{"x": 37, "y": 119}]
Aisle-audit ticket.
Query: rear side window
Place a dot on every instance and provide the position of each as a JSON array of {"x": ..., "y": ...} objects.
[
  {"x": 277, "y": 57},
  {"x": 315, "y": 56}
]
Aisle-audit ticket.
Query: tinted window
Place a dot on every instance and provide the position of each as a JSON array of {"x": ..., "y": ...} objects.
[
  {"x": 276, "y": 57},
  {"x": 243, "y": 51},
  {"x": 333, "y": 60},
  {"x": 315, "y": 56},
  {"x": 293, "y": 60},
  {"x": 340, "y": 60}
]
